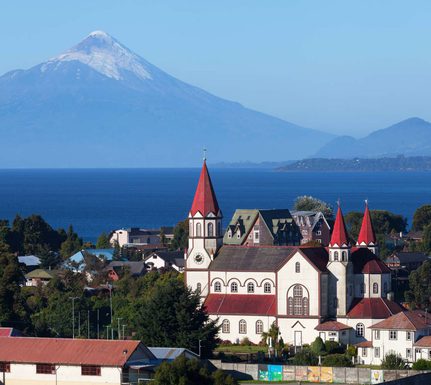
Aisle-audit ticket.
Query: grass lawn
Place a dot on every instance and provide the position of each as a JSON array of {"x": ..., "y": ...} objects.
[{"x": 240, "y": 349}]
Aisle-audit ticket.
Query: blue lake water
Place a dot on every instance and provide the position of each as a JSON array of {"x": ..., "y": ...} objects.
[{"x": 105, "y": 199}]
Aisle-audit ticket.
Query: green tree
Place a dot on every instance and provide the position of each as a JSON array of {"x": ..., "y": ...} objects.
[
  {"x": 71, "y": 245},
  {"x": 426, "y": 239},
  {"x": 419, "y": 294},
  {"x": 117, "y": 251},
  {"x": 181, "y": 235},
  {"x": 318, "y": 346},
  {"x": 103, "y": 241},
  {"x": 171, "y": 315},
  {"x": 305, "y": 357},
  {"x": 421, "y": 217},
  {"x": 309, "y": 203},
  {"x": 49, "y": 259},
  {"x": 272, "y": 333},
  {"x": 393, "y": 361},
  {"x": 337, "y": 360},
  {"x": 182, "y": 371},
  {"x": 422, "y": 364}
]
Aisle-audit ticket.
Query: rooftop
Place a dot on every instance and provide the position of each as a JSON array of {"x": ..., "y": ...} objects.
[
  {"x": 405, "y": 320},
  {"x": 244, "y": 304},
  {"x": 373, "y": 308},
  {"x": 332, "y": 326}
]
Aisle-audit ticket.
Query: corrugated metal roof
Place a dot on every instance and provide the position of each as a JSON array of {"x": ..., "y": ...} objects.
[
  {"x": 170, "y": 353},
  {"x": 373, "y": 308},
  {"x": 244, "y": 304},
  {"x": 67, "y": 351},
  {"x": 332, "y": 326},
  {"x": 406, "y": 320}
]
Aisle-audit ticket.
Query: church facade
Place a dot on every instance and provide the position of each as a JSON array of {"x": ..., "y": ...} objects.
[{"x": 337, "y": 292}]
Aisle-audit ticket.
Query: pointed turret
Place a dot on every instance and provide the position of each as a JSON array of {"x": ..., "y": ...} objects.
[
  {"x": 205, "y": 200},
  {"x": 367, "y": 237},
  {"x": 339, "y": 234}
]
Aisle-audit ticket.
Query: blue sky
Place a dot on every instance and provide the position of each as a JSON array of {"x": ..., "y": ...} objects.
[{"x": 341, "y": 66}]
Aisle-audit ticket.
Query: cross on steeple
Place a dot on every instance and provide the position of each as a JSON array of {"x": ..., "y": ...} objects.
[{"x": 205, "y": 154}]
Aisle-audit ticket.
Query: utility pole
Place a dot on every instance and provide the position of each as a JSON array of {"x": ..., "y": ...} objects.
[
  {"x": 98, "y": 323},
  {"x": 200, "y": 343},
  {"x": 88, "y": 324},
  {"x": 119, "y": 330},
  {"x": 73, "y": 315},
  {"x": 124, "y": 325},
  {"x": 79, "y": 323},
  {"x": 107, "y": 331},
  {"x": 110, "y": 298}
]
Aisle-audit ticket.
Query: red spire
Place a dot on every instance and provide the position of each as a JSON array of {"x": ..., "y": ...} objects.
[
  {"x": 339, "y": 234},
  {"x": 205, "y": 200},
  {"x": 366, "y": 235}
]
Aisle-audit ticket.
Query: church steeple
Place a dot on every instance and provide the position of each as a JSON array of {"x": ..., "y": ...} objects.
[
  {"x": 339, "y": 233},
  {"x": 367, "y": 237}
]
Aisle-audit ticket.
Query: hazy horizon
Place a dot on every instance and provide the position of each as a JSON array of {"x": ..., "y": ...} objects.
[{"x": 345, "y": 68}]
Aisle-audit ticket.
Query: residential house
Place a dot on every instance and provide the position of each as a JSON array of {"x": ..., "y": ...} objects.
[
  {"x": 29, "y": 262},
  {"x": 137, "y": 236},
  {"x": 116, "y": 269},
  {"x": 39, "y": 276},
  {"x": 406, "y": 260},
  {"x": 165, "y": 259},
  {"x": 169, "y": 354},
  {"x": 313, "y": 226},
  {"x": 30, "y": 360}
]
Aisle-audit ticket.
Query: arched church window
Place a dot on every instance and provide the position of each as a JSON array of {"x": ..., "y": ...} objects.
[
  {"x": 297, "y": 267},
  {"x": 335, "y": 255},
  {"x": 344, "y": 256},
  {"x": 375, "y": 288},
  {"x": 198, "y": 229},
  {"x": 299, "y": 303},
  {"x": 210, "y": 229},
  {"x": 225, "y": 326},
  {"x": 297, "y": 300},
  {"x": 305, "y": 306},
  {"x": 234, "y": 287},
  {"x": 217, "y": 287},
  {"x": 242, "y": 327},
  {"x": 290, "y": 306},
  {"x": 360, "y": 329},
  {"x": 259, "y": 327},
  {"x": 250, "y": 287},
  {"x": 267, "y": 287}
]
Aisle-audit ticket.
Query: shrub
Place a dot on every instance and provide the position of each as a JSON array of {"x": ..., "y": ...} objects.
[
  {"x": 422, "y": 364},
  {"x": 332, "y": 347},
  {"x": 246, "y": 342},
  {"x": 352, "y": 351},
  {"x": 318, "y": 346},
  {"x": 393, "y": 361},
  {"x": 225, "y": 343},
  {"x": 305, "y": 357},
  {"x": 337, "y": 360}
]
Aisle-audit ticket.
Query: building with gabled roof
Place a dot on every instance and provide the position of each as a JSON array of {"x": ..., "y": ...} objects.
[
  {"x": 313, "y": 226},
  {"x": 251, "y": 277},
  {"x": 33, "y": 360}
]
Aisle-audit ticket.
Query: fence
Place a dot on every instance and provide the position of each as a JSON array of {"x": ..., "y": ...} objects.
[{"x": 313, "y": 373}]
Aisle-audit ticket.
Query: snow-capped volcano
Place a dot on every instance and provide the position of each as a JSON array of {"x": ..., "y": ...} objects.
[
  {"x": 99, "y": 104},
  {"x": 104, "y": 54}
]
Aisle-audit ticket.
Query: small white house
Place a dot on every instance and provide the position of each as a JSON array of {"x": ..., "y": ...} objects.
[
  {"x": 166, "y": 259},
  {"x": 61, "y": 361}
]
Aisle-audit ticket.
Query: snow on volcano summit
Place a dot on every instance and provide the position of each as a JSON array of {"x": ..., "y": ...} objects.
[{"x": 104, "y": 54}]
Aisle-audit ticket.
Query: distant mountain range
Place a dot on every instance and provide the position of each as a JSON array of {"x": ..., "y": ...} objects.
[
  {"x": 100, "y": 105},
  {"x": 411, "y": 137},
  {"x": 399, "y": 163}
]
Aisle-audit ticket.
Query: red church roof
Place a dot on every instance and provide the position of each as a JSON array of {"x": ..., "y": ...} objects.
[
  {"x": 339, "y": 234},
  {"x": 247, "y": 304},
  {"x": 373, "y": 308},
  {"x": 366, "y": 235},
  {"x": 205, "y": 200},
  {"x": 332, "y": 326}
]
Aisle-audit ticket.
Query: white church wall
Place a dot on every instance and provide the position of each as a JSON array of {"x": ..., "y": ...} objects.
[{"x": 242, "y": 279}]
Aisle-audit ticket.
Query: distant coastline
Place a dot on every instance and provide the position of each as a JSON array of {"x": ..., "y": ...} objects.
[{"x": 400, "y": 163}]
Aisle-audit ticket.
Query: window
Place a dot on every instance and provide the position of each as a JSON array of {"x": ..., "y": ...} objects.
[
  {"x": 319, "y": 232},
  {"x": 259, "y": 327},
  {"x": 198, "y": 288},
  {"x": 242, "y": 327},
  {"x": 377, "y": 352},
  {"x": 409, "y": 353},
  {"x": 90, "y": 370},
  {"x": 335, "y": 255},
  {"x": 319, "y": 240},
  {"x": 344, "y": 256},
  {"x": 267, "y": 287},
  {"x": 225, "y": 326},
  {"x": 297, "y": 267},
  {"x": 210, "y": 229},
  {"x": 364, "y": 352},
  {"x": 360, "y": 330},
  {"x": 375, "y": 288},
  {"x": 198, "y": 229},
  {"x": 45, "y": 369},
  {"x": 234, "y": 287},
  {"x": 392, "y": 334},
  {"x": 298, "y": 304},
  {"x": 256, "y": 235},
  {"x": 5, "y": 367},
  {"x": 217, "y": 287},
  {"x": 376, "y": 334},
  {"x": 250, "y": 287},
  {"x": 408, "y": 336}
]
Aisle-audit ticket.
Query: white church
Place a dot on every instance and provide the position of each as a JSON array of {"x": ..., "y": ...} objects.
[{"x": 340, "y": 293}]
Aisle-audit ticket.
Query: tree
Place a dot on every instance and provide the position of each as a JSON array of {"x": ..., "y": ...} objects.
[
  {"x": 426, "y": 239},
  {"x": 49, "y": 259},
  {"x": 182, "y": 371},
  {"x": 272, "y": 333},
  {"x": 419, "y": 294},
  {"x": 305, "y": 357},
  {"x": 103, "y": 241},
  {"x": 421, "y": 364},
  {"x": 393, "y": 361},
  {"x": 117, "y": 251},
  {"x": 318, "y": 346},
  {"x": 337, "y": 360},
  {"x": 309, "y": 203},
  {"x": 421, "y": 217},
  {"x": 181, "y": 235},
  {"x": 171, "y": 315},
  {"x": 71, "y": 245}
]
